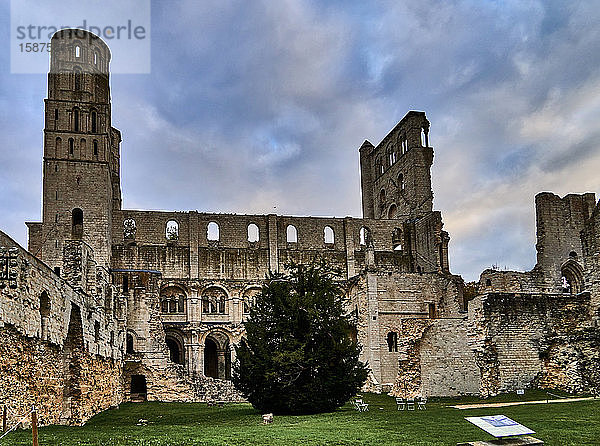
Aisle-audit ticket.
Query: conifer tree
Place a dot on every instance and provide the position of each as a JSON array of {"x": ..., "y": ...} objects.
[{"x": 297, "y": 356}]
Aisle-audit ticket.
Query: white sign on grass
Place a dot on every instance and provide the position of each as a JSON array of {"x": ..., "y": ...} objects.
[{"x": 499, "y": 426}]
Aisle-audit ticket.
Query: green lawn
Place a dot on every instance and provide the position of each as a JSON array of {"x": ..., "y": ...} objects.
[{"x": 239, "y": 424}]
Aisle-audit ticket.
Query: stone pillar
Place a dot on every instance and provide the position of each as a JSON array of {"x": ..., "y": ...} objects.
[
  {"x": 200, "y": 366},
  {"x": 221, "y": 363},
  {"x": 194, "y": 234},
  {"x": 193, "y": 307},
  {"x": 374, "y": 354},
  {"x": 272, "y": 234},
  {"x": 349, "y": 242}
]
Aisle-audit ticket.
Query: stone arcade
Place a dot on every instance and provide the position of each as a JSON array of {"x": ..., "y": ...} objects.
[{"x": 111, "y": 304}]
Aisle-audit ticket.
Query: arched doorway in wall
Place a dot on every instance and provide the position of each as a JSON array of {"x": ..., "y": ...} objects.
[
  {"x": 175, "y": 346},
  {"x": 572, "y": 277},
  {"x": 139, "y": 388},
  {"x": 217, "y": 356},
  {"x": 211, "y": 361}
]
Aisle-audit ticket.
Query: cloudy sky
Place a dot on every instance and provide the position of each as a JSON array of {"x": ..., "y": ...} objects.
[{"x": 260, "y": 106}]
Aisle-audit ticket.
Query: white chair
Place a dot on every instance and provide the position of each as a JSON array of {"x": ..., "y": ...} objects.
[
  {"x": 360, "y": 405},
  {"x": 400, "y": 404},
  {"x": 421, "y": 403},
  {"x": 410, "y": 404}
]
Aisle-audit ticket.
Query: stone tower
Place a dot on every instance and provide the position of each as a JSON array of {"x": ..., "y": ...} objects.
[
  {"x": 81, "y": 183},
  {"x": 396, "y": 175}
]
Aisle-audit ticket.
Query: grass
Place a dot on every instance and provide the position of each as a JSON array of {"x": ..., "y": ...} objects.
[{"x": 239, "y": 424}]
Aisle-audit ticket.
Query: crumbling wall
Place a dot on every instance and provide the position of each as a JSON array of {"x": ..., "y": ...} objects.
[
  {"x": 38, "y": 363},
  {"x": 530, "y": 340}
]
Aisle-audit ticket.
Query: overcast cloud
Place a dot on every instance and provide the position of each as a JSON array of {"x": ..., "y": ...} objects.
[{"x": 260, "y": 106}]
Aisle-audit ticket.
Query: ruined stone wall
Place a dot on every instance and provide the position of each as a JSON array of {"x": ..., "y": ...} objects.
[
  {"x": 527, "y": 340},
  {"x": 40, "y": 362},
  {"x": 194, "y": 256},
  {"x": 494, "y": 281},
  {"x": 559, "y": 223},
  {"x": 388, "y": 302}
]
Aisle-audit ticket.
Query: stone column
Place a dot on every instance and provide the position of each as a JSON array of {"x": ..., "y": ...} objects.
[
  {"x": 272, "y": 234},
  {"x": 221, "y": 363},
  {"x": 200, "y": 366},
  {"x": 194, "y": 229},
  {"x": 374, "y": 353},
  {"x": 349, "y": 242}
]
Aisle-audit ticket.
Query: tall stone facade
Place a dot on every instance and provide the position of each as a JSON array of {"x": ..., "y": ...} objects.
[{"x": 131, "y": 304}]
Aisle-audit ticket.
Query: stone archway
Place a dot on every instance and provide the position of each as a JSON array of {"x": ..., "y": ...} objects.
[
  {"x": 217, "y": 356},
  {"x": 572, "y": 277},
  {"x": 175, "y": 346}
]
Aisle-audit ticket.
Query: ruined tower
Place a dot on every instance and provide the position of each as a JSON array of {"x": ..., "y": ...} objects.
[
  {"x": 81, "y": 184},
  {"x": 396, "y": 175}
]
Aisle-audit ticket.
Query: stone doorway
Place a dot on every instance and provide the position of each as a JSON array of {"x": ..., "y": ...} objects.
[
  {"x": 139, "y": 388},
  {"x": 211, "y": 361}
]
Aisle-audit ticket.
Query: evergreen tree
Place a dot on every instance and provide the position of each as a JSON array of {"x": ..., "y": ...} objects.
[{"x": 297, "y": 357}]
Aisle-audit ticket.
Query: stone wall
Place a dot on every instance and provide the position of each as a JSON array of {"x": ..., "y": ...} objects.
[
  {"x": 61, "y": 349},
  {"x": 528, "y": 340}
]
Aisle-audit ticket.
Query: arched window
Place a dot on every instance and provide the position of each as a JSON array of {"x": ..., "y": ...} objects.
[
  {"x": 249, "y": 298},
  {"x": 328, "y": 235},
  {"x": 129, "y": 344},
  {"x": 82, "y": 147},
  {"x": 213, "y": 301},
  {"x": 71, "y": 146},
  {"x": 77, "y": 51},
  {"x": 44, "y": 314},
  {"x": 129, "y": 228},
  {"x": 77, "y": 78},
  {"x": 253, "y": 233},
  {"x": 392, "y": 211},
  {"x": 172, "y": 230},
  {"x": 212, "y": 232},
  {"x": 76, "y": 119},
  {"x": 94, "y": 118},
  {"x": 401, "y": 182},
  {"x": 56, "y": 114},
  {"x": 291, "y": 234},
  {"x": 95, "y": 58},
  {"x": 392, "y": 341},
  {"x": 364, "y": 235},
  {"x": 58, "y": 146},
  {"x": 172, "y": 300},
  {"x": 77, "y": 223},
  {"x": 95, "y": 148}
]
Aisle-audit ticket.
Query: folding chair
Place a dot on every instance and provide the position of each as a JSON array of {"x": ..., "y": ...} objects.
[{"x": 400, "y": 404}]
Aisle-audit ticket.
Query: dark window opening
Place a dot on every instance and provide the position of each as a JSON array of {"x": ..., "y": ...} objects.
[
  {"x": 96, "y": 331},
  {"x": 57, "y": 270},
  {"x": 432, "y": 313},
  {"x": 488, "y": 282},
  {"x": 125, "y": 284},
  {"x": 56, "y": 114},
  {"x": 77, "y": 223},
  {"x": 392, "y": 341},
  {"x": 44, "y": 314},
  {"x": 76, "y": 119},
  {"x": 95, "y": 148},
  {"x": 94, "y": 122},
  {"x": 71, "y": 146}
]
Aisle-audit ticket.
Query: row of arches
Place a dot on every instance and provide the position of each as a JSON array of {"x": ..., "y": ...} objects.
[
  {"x": 214, "y": 300},
  {"x": 213, "y": 232},
  {"x": 81, "y": 147},
  {"x": 216, "y": 352},
  {"x": 77, "y": 120},
  {"x": 398, "y": 185},
  {"x": 81, "y": 54}
]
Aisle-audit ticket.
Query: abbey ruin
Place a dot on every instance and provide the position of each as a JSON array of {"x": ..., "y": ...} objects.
[{"x": 109, "y": 304}]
